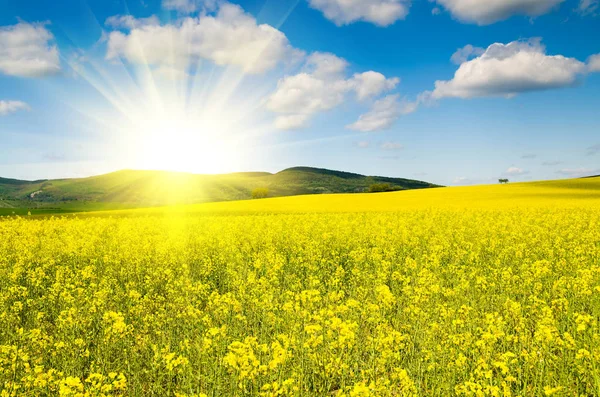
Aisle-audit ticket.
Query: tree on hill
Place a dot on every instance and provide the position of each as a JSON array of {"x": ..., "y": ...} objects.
[
  {"x": 260, "y": 193},
  {"x": 381, "y": 187},
  {"x": 503, "y": 180}
]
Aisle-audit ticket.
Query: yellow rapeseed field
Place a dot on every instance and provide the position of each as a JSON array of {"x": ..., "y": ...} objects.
[{"x": 483, "y": 291}]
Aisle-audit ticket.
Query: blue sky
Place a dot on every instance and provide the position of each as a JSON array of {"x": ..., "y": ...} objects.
[{"x": 448, "y": 91}]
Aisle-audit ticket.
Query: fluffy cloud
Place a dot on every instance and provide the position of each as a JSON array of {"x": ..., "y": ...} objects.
[
  {"x": 9, "y": 107},
  {"x": 382, "y": 115},
  {"x": 190, "y": 6},
  {"x": 510, "y": 69},
  {"x": 386, "y": 111},
  {"x": 378, "y": 12},
  {"x": 306, "y": 93},
  {"x": 232, "y": 37},
  {"x": 588, "y": 7},
  {"x": 490, "y": 11},
  {"x": 371, "y": 84},
  {"x": 467, "y": 52},
  {"x": 291, "y": 121},
  {"x": 128, "y": 22},
  {"x": 324, "y": 65},
  {"x": 594, "y": 63},
  {"x": 26, "y": 51},
  {"x": 515, "y": 171},
  {"x": 321, "y": 87}
]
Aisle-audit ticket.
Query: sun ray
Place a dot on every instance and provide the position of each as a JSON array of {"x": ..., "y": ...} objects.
[
  {"x": 232, "y": 78},
  {"x": 285, "y": 15}
]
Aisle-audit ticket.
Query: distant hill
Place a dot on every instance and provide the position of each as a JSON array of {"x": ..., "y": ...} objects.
[
  {"x": 542, "y": 195},
  {"x": 132, "y": 189}
]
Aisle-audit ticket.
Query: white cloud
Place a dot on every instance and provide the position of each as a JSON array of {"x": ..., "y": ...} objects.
[
  {"x": 578, "y": 172},
  {"x": 190, "y": 6},
  {"x": 392, "y": 146},
  {"x": 363, "y": 144},
  {"x": 305, "y": 94},
  {"x": 594, "y": 63},
  {"x": 371, "y": 84},
  {"x": 291, "y": 122},
  {"x": 381, "y": 116},
  {"x": 436, "y": 11},
  {"x": 26, "y": 51},
  {"x": 588, "y": 7},
  {"x": 128, "y": 22},
  {"x": 386, "y": 111},
  {"x": 378, "y": 12},
  {"x": 10, "y": 107},
  {"x": 515, "y": 171},
  {"x": 464, "y": 54},
  {"x": 324, "y": 65},
  {"x": 232, "y": 37},
  {"x": 510, "y": 69},
  {"x": 320, "y": 88},
  {"x": 485, "y": 12}
]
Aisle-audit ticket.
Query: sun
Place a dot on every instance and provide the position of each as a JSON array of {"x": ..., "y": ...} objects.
[{"x": 184, "y": 143}]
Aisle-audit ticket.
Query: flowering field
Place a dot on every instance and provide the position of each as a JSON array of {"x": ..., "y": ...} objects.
[{"x": 467, "y": 291}]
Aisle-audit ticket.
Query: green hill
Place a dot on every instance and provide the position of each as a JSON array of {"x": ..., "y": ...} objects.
[{"x": 133, "y": 189}]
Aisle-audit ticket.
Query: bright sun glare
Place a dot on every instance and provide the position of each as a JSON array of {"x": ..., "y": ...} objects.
[
  {"x": 175, "y": 144},
  {"x": 207, "y": 134}
]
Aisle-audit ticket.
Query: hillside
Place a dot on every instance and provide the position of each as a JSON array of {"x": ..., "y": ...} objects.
[
  {"x": 133, "y": 189},
  {"x": 569, "y": 193}
]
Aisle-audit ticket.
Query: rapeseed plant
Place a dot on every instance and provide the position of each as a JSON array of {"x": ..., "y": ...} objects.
[{"x": 494, "y": 300}]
